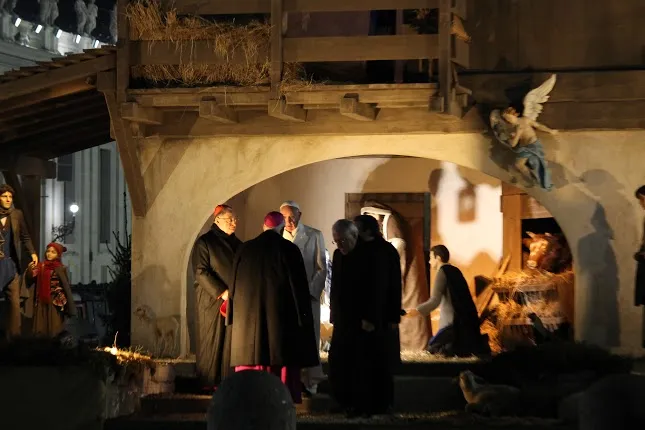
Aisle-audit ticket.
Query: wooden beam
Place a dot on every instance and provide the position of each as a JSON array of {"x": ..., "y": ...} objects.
[
  {"x": 302, "y": 50},
  {"x": 281, "y": 110},
  {"x": 361, "y": 48},
  {"x": 106, "y": 81},
  {"x": 352, "y": 108},
  {"x": 139, "y": 114},
  {"x": 65, "y": 89},
  {"x": 158, "y": 52},
  {"x": 40, "y": 81},
  {"x": 276, "y": 47},
  {"x": 211, "y": 110},
  {"x": 228, "y": 7},
  {"x": 445, "y": 55},
  {"x": 129, "y": 157},
  {"x": 48, "y": 126},
  {"x": 43, "y": 142},
  {"x": 28, "y": 166}
]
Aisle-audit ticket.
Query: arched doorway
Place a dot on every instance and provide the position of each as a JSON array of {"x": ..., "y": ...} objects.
[{"x": 463, "y": 210}]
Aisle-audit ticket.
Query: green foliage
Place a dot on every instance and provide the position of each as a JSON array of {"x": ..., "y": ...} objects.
[{"x": 119, "y": 293}]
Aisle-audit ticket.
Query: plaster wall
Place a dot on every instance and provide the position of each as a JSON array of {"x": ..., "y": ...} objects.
[
  {"x": 595, "y": 174},
  {"x": 473, "y": 234}
]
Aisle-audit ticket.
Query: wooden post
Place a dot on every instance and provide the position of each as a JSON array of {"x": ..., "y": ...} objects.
[
  {"x": 445, "y": 51},
  {"x": 276, "y": 47},
  {"x": 123, "y": 52},
  {"x": 511, "y": 207}
]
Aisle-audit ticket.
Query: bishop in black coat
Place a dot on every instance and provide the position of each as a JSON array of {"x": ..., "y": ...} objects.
[
  {"x": 269, "y": 308},
  {"x": 213, "y": 265}
]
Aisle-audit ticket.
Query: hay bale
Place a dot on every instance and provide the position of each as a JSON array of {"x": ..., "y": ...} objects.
[{"x": 150, "y": 21}]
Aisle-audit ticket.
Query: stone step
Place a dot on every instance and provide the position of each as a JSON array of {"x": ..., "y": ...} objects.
[
  {"x": 411, "y": 394},
  {"x": 338, "y": 422}
]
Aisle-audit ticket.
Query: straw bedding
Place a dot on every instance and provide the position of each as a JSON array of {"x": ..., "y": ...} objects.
[{"x": 242, "y": 47}]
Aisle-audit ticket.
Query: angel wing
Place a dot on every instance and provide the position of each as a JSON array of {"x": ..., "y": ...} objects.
[{"x": 534, "y": 99}]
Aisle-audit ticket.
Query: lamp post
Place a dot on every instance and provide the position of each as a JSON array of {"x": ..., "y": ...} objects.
[{"x": 61, "y": 231}]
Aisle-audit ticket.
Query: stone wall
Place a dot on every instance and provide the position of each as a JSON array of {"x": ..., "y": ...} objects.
[{"x": 595, "y": 172}]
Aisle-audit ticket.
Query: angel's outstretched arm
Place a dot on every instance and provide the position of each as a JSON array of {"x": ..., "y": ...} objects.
[{"x": 542, "y": 127}]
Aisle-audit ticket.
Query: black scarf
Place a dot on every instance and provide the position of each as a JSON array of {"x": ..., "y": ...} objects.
[{"x": 5, "y": 212}]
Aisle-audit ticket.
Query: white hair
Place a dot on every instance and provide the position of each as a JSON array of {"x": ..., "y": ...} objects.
[
  {"x": 291, "y": 204},
  {"x": 345, "y": 228}
]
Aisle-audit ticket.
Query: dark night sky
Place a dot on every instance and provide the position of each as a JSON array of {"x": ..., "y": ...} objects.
[{"x": 29, "y": 11}]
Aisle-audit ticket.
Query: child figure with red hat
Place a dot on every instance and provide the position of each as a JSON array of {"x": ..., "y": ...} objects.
[{"x": 52, "y": 298}]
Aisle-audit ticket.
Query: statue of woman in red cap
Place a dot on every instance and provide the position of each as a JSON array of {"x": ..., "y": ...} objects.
[{"x": 53, "y": 300}]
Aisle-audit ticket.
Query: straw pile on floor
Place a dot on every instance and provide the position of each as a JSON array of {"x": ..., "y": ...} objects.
[
  {"x": 544, "y": 304},
  {"x": 149, "y": 21}
]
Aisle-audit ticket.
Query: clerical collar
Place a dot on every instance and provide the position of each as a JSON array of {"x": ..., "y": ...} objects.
[{"x": 290, "y": 235}]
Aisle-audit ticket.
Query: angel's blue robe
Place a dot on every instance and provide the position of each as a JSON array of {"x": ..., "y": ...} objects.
[{"x": 534, "y": 154}]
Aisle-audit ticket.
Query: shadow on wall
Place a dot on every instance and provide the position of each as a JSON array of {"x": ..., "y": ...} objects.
[
  {"x": 597, "y": 255},
  {"x": 156, "y": 285}
]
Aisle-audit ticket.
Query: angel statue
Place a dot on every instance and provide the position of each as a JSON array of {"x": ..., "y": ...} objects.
[{"x": 518, "y": 133}]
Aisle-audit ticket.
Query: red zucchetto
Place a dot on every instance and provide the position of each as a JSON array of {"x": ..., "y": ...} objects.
[
  {"x": 273, "y": 219},
  {"x": 220, "y": 208}
]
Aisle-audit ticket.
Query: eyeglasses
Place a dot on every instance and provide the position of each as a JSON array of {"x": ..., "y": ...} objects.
[{"x": 229, "y": 220}]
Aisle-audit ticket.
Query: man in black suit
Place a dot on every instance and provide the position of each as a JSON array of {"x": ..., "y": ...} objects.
[{"x": 13, "y": 237}]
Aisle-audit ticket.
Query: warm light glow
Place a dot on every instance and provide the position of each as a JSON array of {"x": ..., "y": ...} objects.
[
  {"x": 39, "y": 28},
  {"x": 18, "y": 21},
  {"x": 78, "y": 38},
  {"x": 73, "y": 208},
  {"x": 114, "y": 351},
  {"x": 59, "y": 33}
]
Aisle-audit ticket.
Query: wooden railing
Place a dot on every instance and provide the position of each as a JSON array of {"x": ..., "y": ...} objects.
[{"x": 443, "y": 47}]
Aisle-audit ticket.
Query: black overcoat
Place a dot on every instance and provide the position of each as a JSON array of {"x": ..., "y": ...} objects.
[
  {"x": 269, "y": 311},
  {"x": 213, "y": 266},
  {"x": 639, "y": 291}
]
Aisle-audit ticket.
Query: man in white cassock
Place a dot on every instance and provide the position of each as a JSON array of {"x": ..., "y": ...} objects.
[{"x": 312, "y": 246}]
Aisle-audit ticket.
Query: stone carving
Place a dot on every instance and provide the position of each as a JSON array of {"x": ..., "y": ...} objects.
[
  {"x": 518, "y": 133},
  {"x": 48, "y": 12},
  {"x": 7, "y": 6},
  {"x": 92, "y": 13},
  {"x": 113, "y": 25},
  {"x": 81, "y": 16},
  {"x": 164, "y": 329}
]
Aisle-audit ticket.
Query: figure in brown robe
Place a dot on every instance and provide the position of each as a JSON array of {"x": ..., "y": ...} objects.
[
  {"x": 213, "y": 265},
  {"x": 269, "y": 310},
  {"x": 52, "y": 297}
]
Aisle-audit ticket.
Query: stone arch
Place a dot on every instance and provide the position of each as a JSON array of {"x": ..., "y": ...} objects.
[
  {"x": 484, "y": 165},
  {"x": 598, "y": 220}
]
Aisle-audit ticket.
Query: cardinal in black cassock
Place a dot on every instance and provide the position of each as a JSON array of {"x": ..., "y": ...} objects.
[
  {"x": 213, "y": 265},
  {"x": 269, "y": 310}
]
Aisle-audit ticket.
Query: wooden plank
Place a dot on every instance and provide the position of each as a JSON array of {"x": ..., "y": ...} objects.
[
  {"x": 571, "y": 86},
  {"x": 59, "y": 120},
  {"x": 361, "y": 48},
  {"x": 460, "y": 9},
  {"x": 305, "y": 49},
  {"x": 28, "y": 166},
  {"x": 139, "y": 114},
  {"x": 44, "y": 80},
  {"x": 281, "y": 110},
  {"x": 106, "y": 81},
  {"x": 57, "y": 91},
  {"x": 511, "y": 207},
  {"x": 129, "y": 157},
  {"x": 156, "y": 52},
  {"x": 352, "y": 108},
  {"x": 228, "y": 7},
  {"x": 319, "y": 122},
  {"x": 210, "y": 109},
  {"x": 275, "y": 72}
]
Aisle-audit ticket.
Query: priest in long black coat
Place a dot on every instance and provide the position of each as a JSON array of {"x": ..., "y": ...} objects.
[
  {"x": 269, "y": 309},
  {"x": 213, "y": 265}
]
